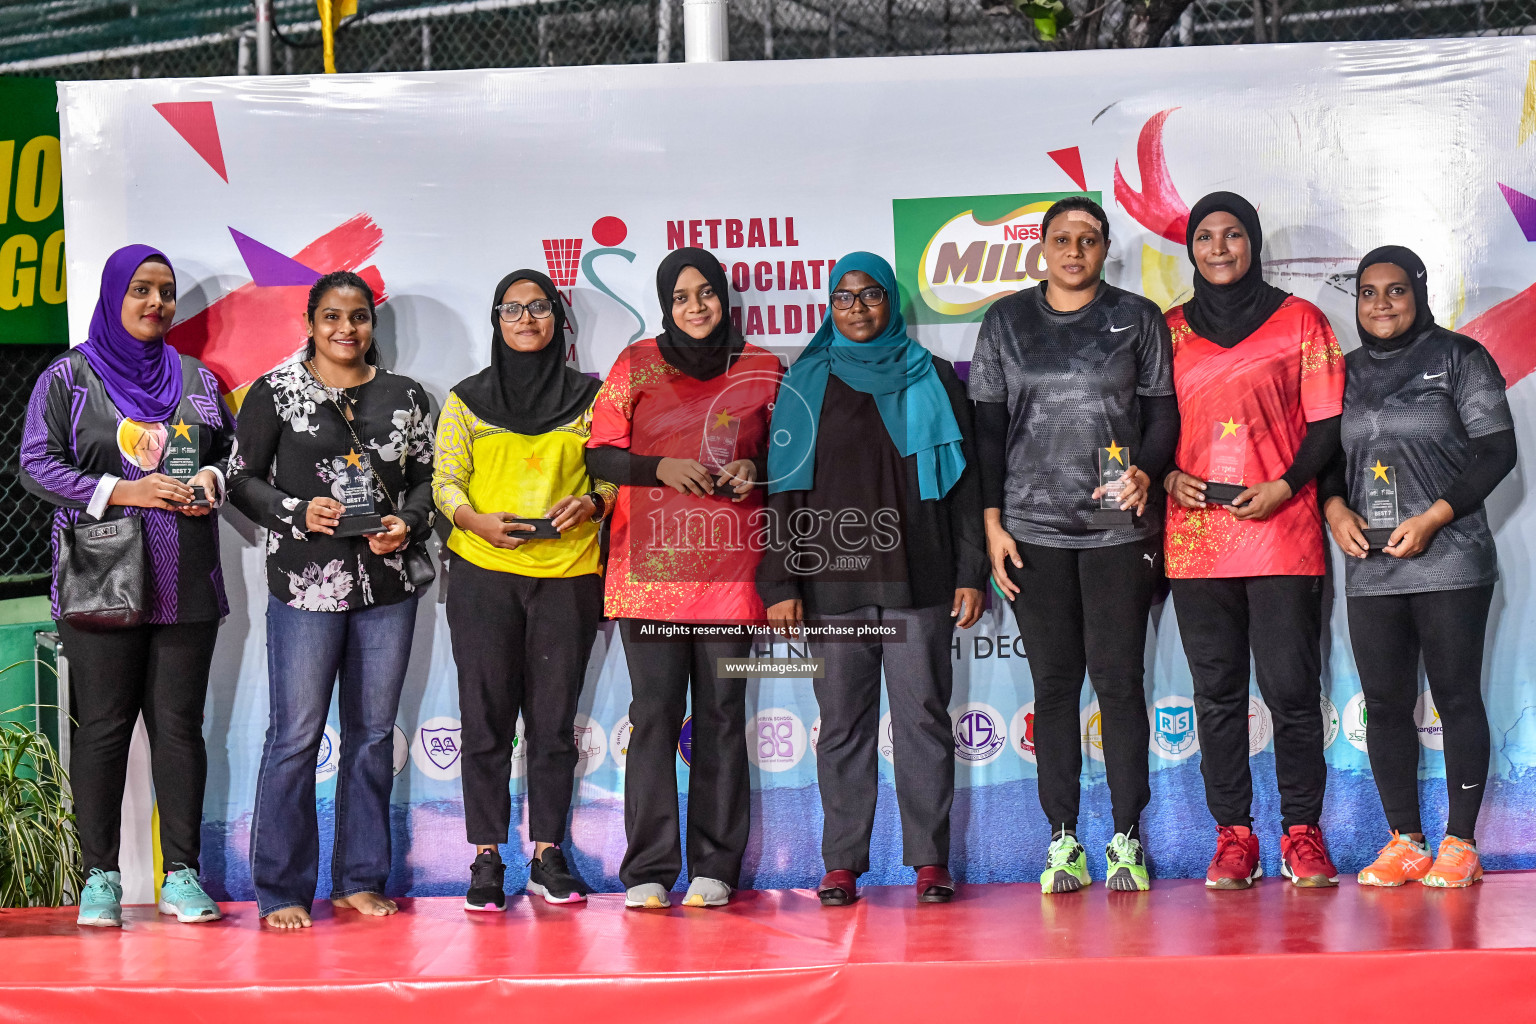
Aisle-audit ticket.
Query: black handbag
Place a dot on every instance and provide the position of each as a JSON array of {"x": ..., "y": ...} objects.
[{"x": 103, "y": 574}]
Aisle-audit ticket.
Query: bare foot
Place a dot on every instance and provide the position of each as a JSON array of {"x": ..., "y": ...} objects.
[
  {"x": 287, "y": 919},
  {"x": 369, "y": 904}
]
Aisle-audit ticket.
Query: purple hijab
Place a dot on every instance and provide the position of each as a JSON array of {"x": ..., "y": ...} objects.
[{"x": 143, "y": 378}]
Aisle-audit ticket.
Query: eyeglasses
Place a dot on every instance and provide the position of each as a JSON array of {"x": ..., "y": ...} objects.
[
  {"x": 512, "y": 312},
  {"x": 874, "y": 295}
]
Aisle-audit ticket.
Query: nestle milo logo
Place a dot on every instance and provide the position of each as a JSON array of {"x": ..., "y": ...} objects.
[{"x": 956, "y": 256}]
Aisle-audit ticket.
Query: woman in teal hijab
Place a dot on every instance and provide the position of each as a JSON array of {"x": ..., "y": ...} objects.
[{"x": 875, "y": 518}]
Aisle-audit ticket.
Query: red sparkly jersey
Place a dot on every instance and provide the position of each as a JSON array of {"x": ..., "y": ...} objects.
[
  {"x": 1243, "y": 413},
  {"x": 679, "y": 557}
]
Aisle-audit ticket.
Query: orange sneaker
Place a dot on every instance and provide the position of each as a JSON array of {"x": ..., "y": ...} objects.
[
  {"x": 1457, "y": 865},
  {"x": 1401, "y": 860}
]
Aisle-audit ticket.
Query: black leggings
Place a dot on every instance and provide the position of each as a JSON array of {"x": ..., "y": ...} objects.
[
  {"x": 1278, "y": 619},
  {"x": 113, "y": 676},
  {"x": 1388, "y": 634},
  {"x": 1086, "y": 610}
]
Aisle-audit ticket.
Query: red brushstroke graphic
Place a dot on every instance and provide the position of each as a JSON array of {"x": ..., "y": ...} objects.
[
  {"x": 195, "y": 123},
  {"x": 252, "y": 329},
  {"x": 1157, "y": 207},
  {"x": 1505, "y": 331},
  {"x": 1071, "y": 161}
]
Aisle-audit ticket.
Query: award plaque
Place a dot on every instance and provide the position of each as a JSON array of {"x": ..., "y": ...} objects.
[
  {"x": 1381, "y": 512},
  {"x": 718, "y": 448},
  {"x": 353, "y": 487},
  {"x": 182, "y": 457},
  {"x": 1229, "y": 462},
  {"x": 1113, "y": 462}
]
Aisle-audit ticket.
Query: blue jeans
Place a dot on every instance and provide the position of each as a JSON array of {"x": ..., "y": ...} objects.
[{"x": 306, "y": 651}]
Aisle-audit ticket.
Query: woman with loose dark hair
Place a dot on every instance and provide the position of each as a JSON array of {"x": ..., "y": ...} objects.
[
  {"x": 334, "y": 458},
  {"x": 108, "y": 425},
  {"x": 1076, "y": 421}
]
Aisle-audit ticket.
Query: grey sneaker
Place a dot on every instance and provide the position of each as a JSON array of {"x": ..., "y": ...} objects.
[
  {"x": 101, "y": 900},
  {"x": 650, "y": 896},
  {"x": 181, "y": 895},
  {"x": 707, "y": 892}
]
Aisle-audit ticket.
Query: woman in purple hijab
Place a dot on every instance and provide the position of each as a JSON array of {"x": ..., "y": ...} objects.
[{"x": 123, "y": 425}]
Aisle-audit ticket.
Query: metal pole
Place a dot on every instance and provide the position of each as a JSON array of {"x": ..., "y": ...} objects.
[
  {"x": 263, "y": 37},
  {"x": 706, "y": 36},
  {"x": 243, "y": 55},
  {"x": 426, "y": 46},
  {"x": 767, "y": 29},
  {"x": 663, "y": 31}
]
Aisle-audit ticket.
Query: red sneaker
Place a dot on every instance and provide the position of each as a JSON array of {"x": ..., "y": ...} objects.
[
  {"x": 1304, "y": 859},
  {"x": 1236, "y": 863}
]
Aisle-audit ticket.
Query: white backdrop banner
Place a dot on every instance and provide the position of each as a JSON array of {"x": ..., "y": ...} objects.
[{"x": 436, "y": 184}]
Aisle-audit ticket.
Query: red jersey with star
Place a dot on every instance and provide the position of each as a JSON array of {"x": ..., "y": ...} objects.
[
  {"x": 1243, "y": 414},
  {"x": 680, "y": 557}
]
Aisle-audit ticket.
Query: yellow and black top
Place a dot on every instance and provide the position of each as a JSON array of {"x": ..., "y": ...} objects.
[{"x": 492, "y": 469}]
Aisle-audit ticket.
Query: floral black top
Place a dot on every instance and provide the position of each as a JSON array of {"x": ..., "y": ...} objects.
[{"x": 289, "y": 438}]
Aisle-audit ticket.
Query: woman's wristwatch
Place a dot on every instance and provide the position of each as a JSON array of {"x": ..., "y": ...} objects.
[{"x": 599, "y": 505}]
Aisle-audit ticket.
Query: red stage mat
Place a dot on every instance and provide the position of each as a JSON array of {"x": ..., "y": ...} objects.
[{"x": 999, "y": 953}]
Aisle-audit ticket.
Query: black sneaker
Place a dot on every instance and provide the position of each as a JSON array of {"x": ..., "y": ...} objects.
[
  {"x": 549, "y": 876},
  {"x": 487, "y": 877}
]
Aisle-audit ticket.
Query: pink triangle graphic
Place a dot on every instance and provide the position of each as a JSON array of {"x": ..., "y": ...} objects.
[
  {"x": 270, "y": 268},
  {"x": 1071, "y": 161},
  {"x": 195, "y": 123},
  {"x": 1524, "y": 209}
]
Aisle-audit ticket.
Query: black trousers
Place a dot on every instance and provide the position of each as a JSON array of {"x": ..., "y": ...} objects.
[
  {"x": 161, "y": 671},
  {"x": 521, "y": 644},
  {"x": 1388, "y": 634},
  {"x": 662, "y": 675},
  {"x": 1086, "y": 610},
  {"x": 920, "y": 678},
  {"x": 1278, "y": 619}
]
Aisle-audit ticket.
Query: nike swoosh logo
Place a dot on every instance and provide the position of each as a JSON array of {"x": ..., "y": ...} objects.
[
  {"x": 1117, "y": 330},
  {"x": 1473, "y": 786},
  {"x": 1434, "y": 376}
]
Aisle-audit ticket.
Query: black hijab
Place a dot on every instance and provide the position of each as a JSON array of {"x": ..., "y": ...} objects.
[
  {"x": 709, "y": 358},
  {"x": 528, "y": 392},
  {"x": 1228, "y": 313},
  {"x": 1408, "y": 260}
]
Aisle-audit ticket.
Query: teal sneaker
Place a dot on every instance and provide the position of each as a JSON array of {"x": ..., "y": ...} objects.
[
  {"x": 1066, "y": 866},
  {"x": 101, "y": 901},
  {"x": 1125, "y": 865},
  {"x": 181, "y": 895}
]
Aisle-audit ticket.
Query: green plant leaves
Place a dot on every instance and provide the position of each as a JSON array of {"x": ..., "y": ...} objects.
[
  {"x": 39, "y": 850},
  {"x": 1050, "y": 16}
]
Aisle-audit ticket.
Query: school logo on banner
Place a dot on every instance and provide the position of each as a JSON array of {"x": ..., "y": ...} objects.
[
  {"x": 815, "y": 733},
  {"x": 685, "y": 742},
  {"x": 980, "y": 734},
  {"x": 1354, "y": 721},
  {"x": 1261, "y": 727},
  {"x": 1092, "y": 724},
  {"x": 887, "y": 746},
  {"x": 591, "y": 745},
  {"x": 1022, "y": 729},
  {"x": 1330, "y": 722},
  {"x": 519, "y": 751},
  {"x": 329, "y": 757},
  {"x": 437, "y": 748},
  {"x": 618, "y": 743},
  {"x": 1173, "y": 728},
  {"x": 776, "y": 739},
  {"x": 956, "y": 256},
  {"x": 1431, "y": 731},
  {"x": 402, "y": 750}
]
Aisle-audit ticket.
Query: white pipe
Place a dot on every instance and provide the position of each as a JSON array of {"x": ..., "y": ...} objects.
[
  {"x": 706, "y": 36},
  {"x": 263, "y": 37},
  {"x": 663, "y": 31}
]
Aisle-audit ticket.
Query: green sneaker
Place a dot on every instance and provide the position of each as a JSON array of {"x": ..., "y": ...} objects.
[
  {"x": 182, "y": 896},
  {"x": 1066, "y": 866},
  {"x": 101, "y": 901},
  {"x": 1125, "y": 865}
]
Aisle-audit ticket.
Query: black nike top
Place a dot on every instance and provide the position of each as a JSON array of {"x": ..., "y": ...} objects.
[
  {"x": 1418, "y": 410},
  {"x": 1073, "y": 382}
]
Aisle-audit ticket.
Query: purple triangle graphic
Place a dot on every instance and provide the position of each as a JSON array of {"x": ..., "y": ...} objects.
[
  {"x": 1524, "y": 209},
  {"x": 270, "y": 268}
]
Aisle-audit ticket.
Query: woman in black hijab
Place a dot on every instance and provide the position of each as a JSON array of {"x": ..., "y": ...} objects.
[
  {"x": 1260, "y": 379},
  {"x": 511, "y": 476},
  {"x": 689, "y": 411},
  {"x": 1427, "y": 435}
]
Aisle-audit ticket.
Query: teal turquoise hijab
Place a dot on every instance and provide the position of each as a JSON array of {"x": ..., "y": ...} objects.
[{"x": 893, "y": 368}]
